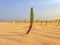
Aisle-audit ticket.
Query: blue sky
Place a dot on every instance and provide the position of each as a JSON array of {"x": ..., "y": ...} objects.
[{"x": 20, "y": 9}]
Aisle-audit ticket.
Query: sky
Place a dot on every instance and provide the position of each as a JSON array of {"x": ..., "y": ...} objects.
[{"x": 20, "y": 9}]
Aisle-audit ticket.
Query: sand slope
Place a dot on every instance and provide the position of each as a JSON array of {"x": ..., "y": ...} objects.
[{"x": 14, "y": 34}]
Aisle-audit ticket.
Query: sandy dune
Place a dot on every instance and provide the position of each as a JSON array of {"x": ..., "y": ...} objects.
[{"x": 14, "y": 34}]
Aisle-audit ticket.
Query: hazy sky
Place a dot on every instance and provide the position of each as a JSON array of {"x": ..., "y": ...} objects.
[{"x": 20, "y": 9}]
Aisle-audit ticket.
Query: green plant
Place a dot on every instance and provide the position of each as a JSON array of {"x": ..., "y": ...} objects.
[{"x": 31, "y": 20}]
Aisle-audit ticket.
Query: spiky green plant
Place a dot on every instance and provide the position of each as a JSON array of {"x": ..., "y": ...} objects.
[{"x": 31, "y": 20}]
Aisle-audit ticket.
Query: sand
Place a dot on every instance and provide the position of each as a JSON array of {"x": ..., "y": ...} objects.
[{"x": 14, "y": 34}]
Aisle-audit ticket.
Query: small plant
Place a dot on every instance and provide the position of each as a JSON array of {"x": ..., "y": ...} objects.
[
  {"x": 46, "y": 23},
  {"x": 41, "y": 23},
  {"x": 31, "y": 20},
  {"x": 58, "y": 22},
  {"x": 17, "y": 21},
  {"x": 25, "y": 20}
]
